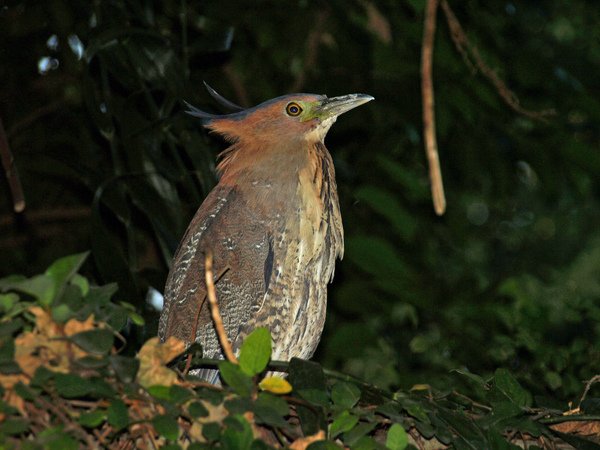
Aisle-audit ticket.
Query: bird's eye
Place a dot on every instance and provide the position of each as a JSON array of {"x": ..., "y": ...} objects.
[{"x": 293, "y": 109}]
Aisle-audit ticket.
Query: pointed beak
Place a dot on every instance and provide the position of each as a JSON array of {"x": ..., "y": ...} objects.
[{"x": 333, "y": 107}]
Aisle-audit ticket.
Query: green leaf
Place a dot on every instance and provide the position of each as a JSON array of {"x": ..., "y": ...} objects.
[
  {"x": 308, "y": 379},
  {"x": 211, "y": 431},
  {"x": 255, "y": 351},
  {"x": 238, "y": 380},
  {"x": 507, "y": 384},
  {"x": 41, "y": 287},
  {"x": 118, "y": 416},
  {"x": 352, "y": 436},
  {"x": 7, "y": 354},
  {"x": 7, "y": 301},
  {"x": 14, "y": 426},
  {"x": 270, "y": 410},
  {"x": 315, "y": 396},
  {"x": 136, "y": 318},
  {"x": 238, "y": 434},
  {"x": 125, "y": 367},
  {"x": 274, "y": 402},
  {"x": 61, "y": 313},
  {"x": 98, "y": 341},
  {"x": 92, "y": 419},
  {"x": 306, "y": 375},
  {"x": 397, "y": 439},
  {"x": 7, "y": 329},
  {"x": 342, "y": 423},
  {"x": 72, "y": 386},
  {"x": 179, "y": 394},
  {"x": 197, "y": 409},
  {"x": 101, "y": 388},
  {"x": 166, "y": 426},
  {"x": 160, "y": 392},
  {"x": 25, "y": 392},
  {"x": 344, "y": 394},
  {"x": 82, "y": 283},
  {"x": 63, "y": 269},
  {"x": 62, "y": 441}
]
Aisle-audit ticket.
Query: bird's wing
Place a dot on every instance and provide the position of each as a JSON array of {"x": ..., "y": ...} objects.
[{"x": 242, "y": 251}]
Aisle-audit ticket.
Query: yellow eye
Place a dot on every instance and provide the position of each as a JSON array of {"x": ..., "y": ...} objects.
[{"x": 293, "y": 109}]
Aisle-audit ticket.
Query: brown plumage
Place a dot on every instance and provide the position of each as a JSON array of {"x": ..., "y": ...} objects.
[{"x": 273, "y": 226}]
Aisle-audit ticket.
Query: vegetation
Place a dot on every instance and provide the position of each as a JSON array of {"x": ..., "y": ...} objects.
[
  {"x": 475, "y": 328},
  {"x": 65, "y": 384}
]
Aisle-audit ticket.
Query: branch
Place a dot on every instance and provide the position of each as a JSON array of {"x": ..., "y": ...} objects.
[
  {"x": 214, "y": 309},
  {"x": 8, "y": 162},
  {"x": 431, "y": 149},
  {"x": 468, "y": 50}
]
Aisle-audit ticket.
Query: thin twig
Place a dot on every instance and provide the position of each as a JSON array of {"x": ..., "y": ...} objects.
[
  {"x": 431, "y": 149},
  {"x": 188, "y": 361},
  {"x": 468, "y": 50},
  {"x": 8, "y": 162},
  {"x": 214, "y": 309},
  {"x": 595, "y": 379}
]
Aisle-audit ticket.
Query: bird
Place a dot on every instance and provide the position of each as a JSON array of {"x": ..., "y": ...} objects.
[{"x": 272, "y": 224}]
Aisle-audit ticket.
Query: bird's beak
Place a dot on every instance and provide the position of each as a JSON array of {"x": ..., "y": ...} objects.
[{"x": 333, "y": 107}]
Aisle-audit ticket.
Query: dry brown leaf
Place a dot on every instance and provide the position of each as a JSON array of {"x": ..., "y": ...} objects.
[
  {"x": 589, "y": 428},
  {"x": 44, "y": 323},
  {"x": 303, "y": 443},
  {"x": 74, "y": 326},
  {"x": 153, "y": 357}
]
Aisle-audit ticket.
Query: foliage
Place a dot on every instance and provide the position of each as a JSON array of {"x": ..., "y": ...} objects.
[
  {"x": 507, "y": 279},
  {"x": 65, "y": 385}
]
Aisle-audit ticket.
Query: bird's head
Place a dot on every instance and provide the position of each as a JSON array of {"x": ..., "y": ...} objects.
[{"x": 282, "y": 119}]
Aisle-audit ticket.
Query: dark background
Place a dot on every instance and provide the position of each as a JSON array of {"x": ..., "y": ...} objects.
[{"x": 90, "y": 99}]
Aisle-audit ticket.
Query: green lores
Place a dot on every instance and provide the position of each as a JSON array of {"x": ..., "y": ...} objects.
[{"x": 326, "y": 108}]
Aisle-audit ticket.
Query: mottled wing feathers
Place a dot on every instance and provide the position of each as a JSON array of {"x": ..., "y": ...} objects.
[{"x": 242, "y": 254}]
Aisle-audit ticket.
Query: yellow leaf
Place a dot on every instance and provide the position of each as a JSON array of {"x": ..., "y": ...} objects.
[
  {"x": 420, "y": 387},
  {"x": 276, "y": 385},
  {"x": 153, "y": 357}
]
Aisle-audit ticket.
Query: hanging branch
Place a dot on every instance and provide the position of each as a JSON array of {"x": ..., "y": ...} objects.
[
  {"x": 10, "y": 170},
  {"x": 435, "y": 173},
  {"x": 473, "y": 59}
]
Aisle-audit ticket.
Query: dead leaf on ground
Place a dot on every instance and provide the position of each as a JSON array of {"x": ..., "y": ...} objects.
[{"x": 154, "y": 356}]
